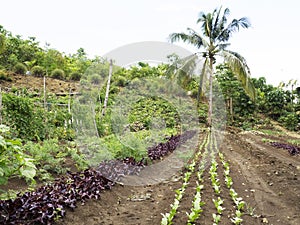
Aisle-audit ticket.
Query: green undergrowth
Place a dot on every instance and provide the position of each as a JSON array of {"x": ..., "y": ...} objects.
[{"x": 51, "y": 158}]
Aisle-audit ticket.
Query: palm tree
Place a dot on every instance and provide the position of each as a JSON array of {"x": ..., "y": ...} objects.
[{"x": 215, "y": 33}]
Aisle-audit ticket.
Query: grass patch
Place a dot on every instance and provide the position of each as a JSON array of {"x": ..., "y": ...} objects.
[
  {"x": 271, "y": 132},
  {"x": 294, "y": 142}
]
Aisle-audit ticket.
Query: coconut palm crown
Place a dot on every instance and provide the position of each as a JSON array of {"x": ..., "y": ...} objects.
[{"x": 213, "y": 40}]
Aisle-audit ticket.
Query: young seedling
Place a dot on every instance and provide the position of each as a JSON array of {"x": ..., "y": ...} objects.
[
  {"x": 218, "y": 204},
  {"x": 217, "y": 218}
]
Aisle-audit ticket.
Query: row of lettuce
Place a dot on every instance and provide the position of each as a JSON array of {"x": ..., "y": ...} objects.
[{"x": 205, "y": 160}]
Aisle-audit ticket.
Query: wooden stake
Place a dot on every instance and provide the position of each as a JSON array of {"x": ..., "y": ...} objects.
[
  {"x": 0, "y": 106},
  {"x": 45, "y": 103},
  {"x": 107, "y": 88}
]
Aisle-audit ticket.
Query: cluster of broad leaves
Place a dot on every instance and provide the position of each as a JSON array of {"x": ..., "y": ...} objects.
[
  {"x": 293, "y": 150},
  {"x": 13, "y": 161},
  {"x": 116, "y": 169},
  {"x": 48, "y": 203}
]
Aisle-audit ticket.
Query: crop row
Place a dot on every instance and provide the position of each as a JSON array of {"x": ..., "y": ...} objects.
[
  {"x": 197, "y": 203},
  {"x": 168, "y": 217},
  {"x": 207, "y": 149}
]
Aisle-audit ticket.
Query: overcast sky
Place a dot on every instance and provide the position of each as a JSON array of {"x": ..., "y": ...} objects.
[{"x": 270, "y": 46}]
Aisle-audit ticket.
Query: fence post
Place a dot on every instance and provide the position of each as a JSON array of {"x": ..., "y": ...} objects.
[
  {"x": 45, "y": 103},
  {"x": 0, "y": 106},
  {"x": 107, "y": 87}
]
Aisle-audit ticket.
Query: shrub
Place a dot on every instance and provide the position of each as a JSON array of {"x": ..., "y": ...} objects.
[
  {"x": 120, "y": 81},
  {"x": 4, "y": 76},
  {"x": 13, "y": 159},
  {"x": 95, "y": 79},
  {"x": 20, "y": 68},
  {"x": 290, "y": 121},
  {"x": 58, "y": 74},
  {"x": 28, "y": 120},
  {"x": 38, "y": 71},
  {"x": 75, "y": 76}
]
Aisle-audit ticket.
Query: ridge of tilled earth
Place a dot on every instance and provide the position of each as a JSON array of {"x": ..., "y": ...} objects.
[{"x": 271, "y": 174}]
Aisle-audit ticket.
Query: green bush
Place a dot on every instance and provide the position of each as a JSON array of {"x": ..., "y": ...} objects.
[
  {"x": 120, "y": 81},
  {"x": 75, "y": 76},
  {"x": 148, "y": 110},
  {"x": 48, "y": 156},
  {"x": 38, "y": 71},
  {"x": 290, "y": 121},
  {"x": 131, "y": 145},
  {"x": 26, "y": 120},
  {"x": 4, "y": 76},
  {"x": 57, "y": 74},
  {"x": 95, "y": 79},
  {"x": 13, "y": 160},
  {"x": 20, "y": 68}
]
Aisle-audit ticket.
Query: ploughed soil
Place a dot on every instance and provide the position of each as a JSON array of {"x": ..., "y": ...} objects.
[{"x": 267, "y": 178}]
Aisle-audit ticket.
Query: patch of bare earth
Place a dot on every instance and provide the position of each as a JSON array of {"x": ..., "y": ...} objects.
[{"x": 36, "y": 84}]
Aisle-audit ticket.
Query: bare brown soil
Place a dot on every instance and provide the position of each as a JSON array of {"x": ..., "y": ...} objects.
[
  {"x": 267, "y": 178},
  {"x": 36, "y": 84}
]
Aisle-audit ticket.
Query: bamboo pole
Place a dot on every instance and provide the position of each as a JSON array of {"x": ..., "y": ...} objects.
[
  {"x": 0, "y": 106},
  {"x": 45, "y": 103},
  {"x": 107, "y": 88}
]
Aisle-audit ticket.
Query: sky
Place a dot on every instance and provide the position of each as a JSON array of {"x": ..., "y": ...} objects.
[{"x": 271, "y": 46}]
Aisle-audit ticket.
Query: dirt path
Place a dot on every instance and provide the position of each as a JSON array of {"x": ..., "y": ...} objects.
[{"x": 264, "y": 176}]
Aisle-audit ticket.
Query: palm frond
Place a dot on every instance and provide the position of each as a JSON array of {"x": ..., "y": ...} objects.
[
  {"x": 191, "y": 38},
  {"x": 188, "y": 64},
  {"x": 238, "y": 65},
  {"x": 234, "y": 26},
  {"x": 207, "y": 23},
  {"x": 216, "y": 27},
  {"x": 223, "y": 46},
  {"x": 220, "y": 23},
  {"x": 200, "y": 38}
]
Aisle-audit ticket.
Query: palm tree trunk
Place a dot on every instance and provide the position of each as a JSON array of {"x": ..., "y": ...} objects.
[{"x": 210, "y": 111}]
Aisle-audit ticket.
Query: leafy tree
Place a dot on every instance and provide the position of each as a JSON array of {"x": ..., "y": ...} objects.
[
  {"x": 2, "y": 42},
  {"x": 214, "y": 40},
  {"x": 238, "y": 102}
]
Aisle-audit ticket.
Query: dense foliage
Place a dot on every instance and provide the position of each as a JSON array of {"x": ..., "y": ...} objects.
[
  {"x": 277, "y": 103},
  {"x": 13, "y": 160},
  {"x": 47, "y": 204},
  {"x": 20, "y": 55}
]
